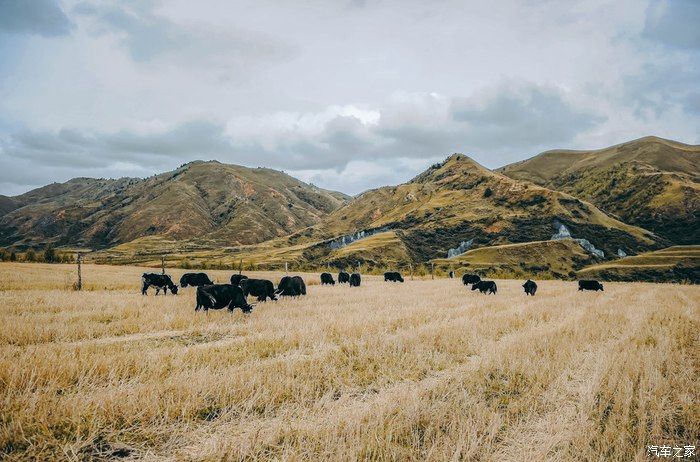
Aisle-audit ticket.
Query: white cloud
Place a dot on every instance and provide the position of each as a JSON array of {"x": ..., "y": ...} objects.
[{"x": 353, "y": 94}]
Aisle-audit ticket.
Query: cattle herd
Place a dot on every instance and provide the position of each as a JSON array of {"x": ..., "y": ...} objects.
[{"x": 235, "y": 295}]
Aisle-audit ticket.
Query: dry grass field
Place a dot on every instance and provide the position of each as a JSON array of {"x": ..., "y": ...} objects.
[{"x": 426, "y": 370}]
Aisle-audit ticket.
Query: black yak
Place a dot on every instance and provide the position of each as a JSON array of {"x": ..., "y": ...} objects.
[
  {"x": 195, "y": 280},
  {"x": 530, "y": 287},
  {"x": 485, "y": 287},
  {"x": 327, "y": 278},
  {"x": 291, "y": 286},
  {"x": 261, "y": 288},
  {"x": 589, "y": 284},
  {"x": 393, "y": 276},
  {"x": 159, "y": 281},
  {"x": 219, "y": 296}
]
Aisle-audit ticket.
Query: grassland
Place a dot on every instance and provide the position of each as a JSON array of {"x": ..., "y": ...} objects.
[{"x": 421, "y": 371}]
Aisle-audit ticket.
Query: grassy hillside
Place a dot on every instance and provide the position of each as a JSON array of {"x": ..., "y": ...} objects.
[
  {"x": 415, "y": 222},
  {"x": 651, "y": 182},
  {"x": 541, "y": 259},
  {"x": 208, "y": 200},
  {"x": 460, "y": 200},
  {"x": 674, "y": 264}
]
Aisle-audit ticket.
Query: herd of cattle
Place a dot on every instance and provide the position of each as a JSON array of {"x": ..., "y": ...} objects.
[{"x": 235, "y": 295}]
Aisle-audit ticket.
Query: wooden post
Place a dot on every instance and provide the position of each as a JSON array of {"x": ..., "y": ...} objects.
[
  {"x": 411, "y": 267},
  {"x": 162, "y": 264},
  {"x": 240, "y": 266},
  {"x": 286, "y": 268},
  {"x": 80, "y": 274},
  {"x": 432, "y": 270}
]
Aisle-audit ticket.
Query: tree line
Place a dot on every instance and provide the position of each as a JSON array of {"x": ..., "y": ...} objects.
[{"x": 47, "y": 255}]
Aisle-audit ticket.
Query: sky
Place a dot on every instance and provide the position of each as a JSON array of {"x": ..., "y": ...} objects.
[{"x": 348, "y": 94}]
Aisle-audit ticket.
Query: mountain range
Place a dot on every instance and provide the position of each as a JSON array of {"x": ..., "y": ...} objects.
[
  {"x": 636, "y": 197},
  {"x": 207, "y": 200}
]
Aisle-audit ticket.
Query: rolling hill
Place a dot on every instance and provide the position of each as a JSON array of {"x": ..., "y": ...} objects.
[
  {"x": 673, "y": 264},
  {"x": 650, "y": 182},
  {"x": 541, "y": 259},
  {"x": 454, "y": 202},
  {"x": 205, "y": 200}
]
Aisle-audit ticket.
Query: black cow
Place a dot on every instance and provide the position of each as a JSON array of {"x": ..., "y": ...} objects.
[
  {"x": 452, "y": 274},
  {"x": 237, "y": 278},
  {"x": 343, "y": 277},
  {"x": 470, "y": 279},
  {"x": 291, "y": 286},
  {"x": 195, "y": 280},
  {"x": 393, "y": 276},
  {"x": 530, "y": 287},
  {"x": 159, "y": 281},
  {"x": 261, "y": 288},
  {"x": 218, "y": 296},
  {"x": 355, "y": 280},
  {"x": 485, "y": 287},
  {"x": 589, "y": 284},
  {"x": 326, "y": 278}
]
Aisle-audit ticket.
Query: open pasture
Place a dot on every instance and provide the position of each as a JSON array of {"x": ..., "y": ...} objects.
[{"x": 425, "y": 370}]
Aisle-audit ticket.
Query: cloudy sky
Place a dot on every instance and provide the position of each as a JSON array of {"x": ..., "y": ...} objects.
[{"x": 345, "y": 94}]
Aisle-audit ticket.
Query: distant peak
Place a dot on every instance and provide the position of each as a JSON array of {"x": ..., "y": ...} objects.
[{"x": 454, "y": 164}]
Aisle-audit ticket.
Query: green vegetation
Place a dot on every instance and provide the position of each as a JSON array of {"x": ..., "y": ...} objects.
[{"x": 650, "y": 182}]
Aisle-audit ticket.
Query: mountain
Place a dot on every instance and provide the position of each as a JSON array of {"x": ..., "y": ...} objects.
[
  {"x": 227, "y": 204},
  {"x": 7, "y": 204},
  {"x": 454, "y": 202},
  {"x": 650, "y": 182}
]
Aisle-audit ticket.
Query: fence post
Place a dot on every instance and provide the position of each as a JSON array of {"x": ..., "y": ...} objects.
[
  {"x": 432, "y": 270},
  {"x": 286, "y": 268},
  {"x": 411, "y": 267},
  {"x": 240, "y": 266},
  {"x": 80, "y": 274},
  {"x": 162, "y": 264}
]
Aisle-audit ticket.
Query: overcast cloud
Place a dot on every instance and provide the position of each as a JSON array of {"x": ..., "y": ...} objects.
[{"x": 348, "y": 95}]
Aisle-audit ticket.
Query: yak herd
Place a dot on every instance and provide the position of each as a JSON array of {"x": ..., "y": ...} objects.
[{"x": 235, "y": 295}]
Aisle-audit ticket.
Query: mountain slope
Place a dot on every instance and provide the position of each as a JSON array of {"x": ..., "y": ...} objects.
[
  {"x": 673, "y": 264},
  {"x": 650, "y": 182},
  {"x": 459, "y": 200},
  {"x": 540, "y": 259},
  {"x": 205, "y": 200}
]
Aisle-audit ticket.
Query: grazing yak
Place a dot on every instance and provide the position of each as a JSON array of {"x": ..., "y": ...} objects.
[
  {"x": 326, "y": 278},
  {"x": 218, "y": 296},
  {"x": 589, "y": 284},
  {"x": 343, "y": 277},
  {"x": 195, "y": 280},
  {"x": 393, "y": 276},
  {"x": 291, "y": 286},
  {"x": 159, "y": 281},
  {"x": 237, "y": 278},
  {"x": 355, "y": 280},
  {"x": 485, "y": 287},
  {"x": 261, "y": 288},
  {"x": 530, "y": 287},
  {"x": 470, "y": 279}
]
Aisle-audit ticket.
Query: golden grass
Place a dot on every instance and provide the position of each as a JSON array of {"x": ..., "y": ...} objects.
[{"x": 421, "y": 371}]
